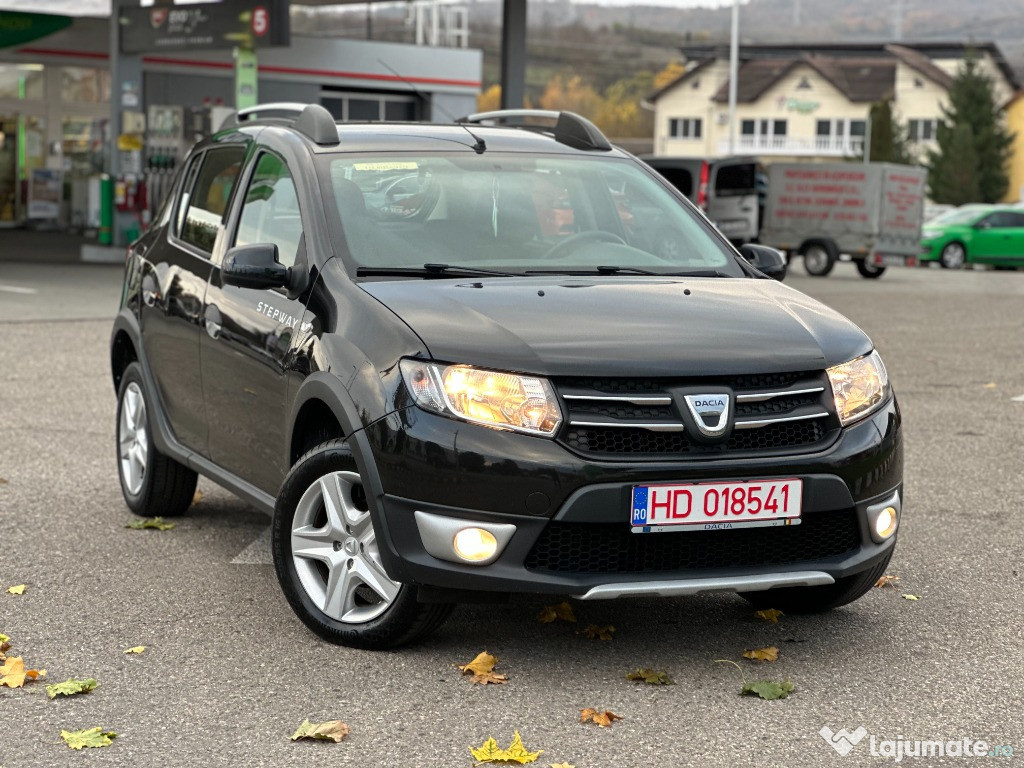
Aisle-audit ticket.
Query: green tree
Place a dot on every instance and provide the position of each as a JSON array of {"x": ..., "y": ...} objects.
[
  {"x": 888, "y": 137},
  {"x": 974, "y": 144}
]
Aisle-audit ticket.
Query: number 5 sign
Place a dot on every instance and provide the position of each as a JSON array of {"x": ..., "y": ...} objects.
[{"x": 260, "y": 21}]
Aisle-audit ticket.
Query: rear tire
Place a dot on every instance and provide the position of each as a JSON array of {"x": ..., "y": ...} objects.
[
  {"x": 328, "y": 562},
  {"x": 153, "y": 485},
  {"x": 819, "y": 257},
  {"x": 870, "y": 271},
  {"x": 820, "y": 599}
]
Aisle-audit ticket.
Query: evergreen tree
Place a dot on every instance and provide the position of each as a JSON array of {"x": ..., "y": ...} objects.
[
  {"x": 974, "y": 144},
  {"x": 888, "y": 137}
]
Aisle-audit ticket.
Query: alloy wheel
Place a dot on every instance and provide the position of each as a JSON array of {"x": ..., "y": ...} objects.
[
  {"x": 133, "y": 439},
  {"x": 335, "y": 553}
]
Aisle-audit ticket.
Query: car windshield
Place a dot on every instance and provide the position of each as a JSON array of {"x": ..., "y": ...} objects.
[
  {"x": 963, "y": 215},
  {"x": 517, "y": 214}
]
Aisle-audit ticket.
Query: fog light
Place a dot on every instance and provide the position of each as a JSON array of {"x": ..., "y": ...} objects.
[
  {"x": 885, "y": 523},
  {"x": 475, "y": 544}
]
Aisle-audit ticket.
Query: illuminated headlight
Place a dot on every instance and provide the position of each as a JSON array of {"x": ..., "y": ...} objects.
[
  {"x": 497, "y": 399},
  {"x": 859, "y": 387}
]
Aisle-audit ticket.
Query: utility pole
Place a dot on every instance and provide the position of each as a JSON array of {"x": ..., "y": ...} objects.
[{"x": 734, "y": 66}]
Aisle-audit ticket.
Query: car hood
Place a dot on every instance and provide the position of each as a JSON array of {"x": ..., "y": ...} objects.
[{"x": 622, "y": 325}]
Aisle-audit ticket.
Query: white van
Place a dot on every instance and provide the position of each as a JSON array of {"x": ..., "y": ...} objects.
[{"x": 726, "y": 189}]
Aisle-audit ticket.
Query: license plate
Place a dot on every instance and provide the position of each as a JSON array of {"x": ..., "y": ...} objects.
[
  {"x": 893, "y": 260},
  {"x": 713, "y": 506}
]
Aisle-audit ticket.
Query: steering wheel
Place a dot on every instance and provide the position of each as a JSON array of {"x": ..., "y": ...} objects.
[
  {"x": 406, "y": 203},
  {"x": 573, "y": 242}
]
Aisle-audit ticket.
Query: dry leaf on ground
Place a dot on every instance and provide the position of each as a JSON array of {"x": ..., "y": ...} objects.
[
  {"x": 332, "y": 730},
  {"x": 71, "y": 687},
  {"x": 561, "y": 765},
  {"x": 156, "y": 523},
  {"x": 490, "y": 752},
  {"x": 562, "y": 611},
  {"x": 889, "y": 580},
  {"x": 482, "y": 670},
  {"x": 595, "y": 632},
  {"x": 197, "y": 497},
  {"x": 17, "y": 590},
  {"x": 650, "y": 676},
  {"x": 13, "y": 673},
  {"x": 603, "y": 719},
  {"x": 769, "y": 614},
  {"x": 991, "y": 385},
  {"x": 768, "y": 689},
  {"x": 771, "y": 653},
  {"x": 3, "y": 481},
  {"x": 91, "y": 737},
  {"x": 136, "y": 649},
  {"x": 911, "y": 597}
]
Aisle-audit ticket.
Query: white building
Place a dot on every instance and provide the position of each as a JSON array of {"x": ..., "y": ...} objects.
[{"x": 796, "y": 102}]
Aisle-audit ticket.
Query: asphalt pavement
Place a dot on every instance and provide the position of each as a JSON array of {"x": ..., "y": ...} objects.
[{"x": 229, "y": 672}]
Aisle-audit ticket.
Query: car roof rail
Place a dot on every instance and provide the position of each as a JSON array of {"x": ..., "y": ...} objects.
[
  {"x": 570, "y": 129},
  {"x": 312, "y": 120}
]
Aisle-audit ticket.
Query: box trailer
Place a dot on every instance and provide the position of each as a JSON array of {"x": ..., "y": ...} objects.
[{"x": 869, "y": 211}]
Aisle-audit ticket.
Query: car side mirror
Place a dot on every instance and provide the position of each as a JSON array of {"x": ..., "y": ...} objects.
[
  {"x": 254, "y": 266},
  {"x": 770, "y": 262}
]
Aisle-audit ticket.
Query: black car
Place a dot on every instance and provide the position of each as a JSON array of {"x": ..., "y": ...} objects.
[{"x": 461, "y": 361}]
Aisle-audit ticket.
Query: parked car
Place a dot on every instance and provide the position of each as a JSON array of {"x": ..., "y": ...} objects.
[
  {"x": 729, "y": 190},
  {"x": 462, "y": 361},
  {"x": 975, "y": 234}
]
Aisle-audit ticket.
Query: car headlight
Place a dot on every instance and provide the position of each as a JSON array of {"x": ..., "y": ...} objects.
[
  {"x": 494, "y": 398},
  {"x": 859, "y": 387}
]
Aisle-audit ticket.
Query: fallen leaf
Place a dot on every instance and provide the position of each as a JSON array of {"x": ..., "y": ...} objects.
[
  {"x": 771, "y": 653},
  {"x": 911, "y": 597},
  {"x": 197, "y": 497},
  {"x": 603, "y": 719},
  {"x": 550, "y": 613},
  {"x": 490, "y": 752},
  {"x": 13, "y": 673},
  {"x": 482, "y": 670},
  {"x": 594, "y": 632},
  {"x": 91, "y": 737},
  {"x": 494, "y": 678},
  {"x": 18, "y": 590},
  {"x": 768, "y": 689},
  {"x": 3, "y": 638},
  {"x": 991, "y": 385},
  {"x": 770, "y": 614},
  {"x": 157, "y": 523},
  {"x": 561, "y": 765},
  {"x": 70, "y": 687},
  {"x": 136, "y": 649},
  {"x": 887, "y": 581},
  {"x": 650, "y": 676},
  {"x": 3, "y": 481},
  {"x": 4, "y": 648},
  {"x": 332, "y": 730}
]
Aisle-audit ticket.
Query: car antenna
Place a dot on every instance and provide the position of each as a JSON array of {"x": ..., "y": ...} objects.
[{"x": 480, "y": 146}]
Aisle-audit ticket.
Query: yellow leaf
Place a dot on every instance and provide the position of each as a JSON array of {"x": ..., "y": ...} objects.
[
  {"x": 490, "y": 752},
  {"x": 13, "y": 673},
  {"x": 991, "y": 385},
  {"x": 594, "y": 632},
  {"x": 771, "y": 614},
  {"x": 771, "y": 653},
  {"x": 332, "y": 730},
  {"x": 887, "y": 581},
  {"x": 481, "y": 665},
  {"x": 197, "y": 497},
  {"x": 650, "y": 676},
  {"x": 18, "y": 590},
  {"x": 561, "y": 611},
  {"x": 561, "y": 765},
  {"x": 136, "y": 649},
  {"x": 602, "y": 719},
  {"x": 91, "y": 737},
  {"x": 911, "y": 597}
]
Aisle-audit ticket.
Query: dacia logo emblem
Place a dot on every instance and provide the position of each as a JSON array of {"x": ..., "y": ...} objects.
[{"x": 710, "y": 413}]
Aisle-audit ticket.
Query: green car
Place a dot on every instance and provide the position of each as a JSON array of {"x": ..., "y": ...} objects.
[{"x": 975, "y": 234}]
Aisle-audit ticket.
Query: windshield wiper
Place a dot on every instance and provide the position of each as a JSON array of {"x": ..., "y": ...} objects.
[
  {"x": 432, "y": 269},
  {"x": 607, "y": 270},
  {"x": 613, "y": 270}
]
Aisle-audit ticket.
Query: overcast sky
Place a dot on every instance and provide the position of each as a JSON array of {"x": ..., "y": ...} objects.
[{"x": 102, "y": 7}]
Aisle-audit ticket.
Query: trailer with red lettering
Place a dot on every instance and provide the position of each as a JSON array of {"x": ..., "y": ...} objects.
[{"x": 871, "y": 212}]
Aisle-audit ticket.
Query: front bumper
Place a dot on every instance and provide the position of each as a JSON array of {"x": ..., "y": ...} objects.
[{"x": 561, "y": 504}]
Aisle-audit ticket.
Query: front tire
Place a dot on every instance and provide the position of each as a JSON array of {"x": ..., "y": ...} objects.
[
  {"x": 153, "y": 485},
  {"x": 327, "y": 558},
  {"x": 953, "y": 256},
  {"x": 820, "y": 599}
]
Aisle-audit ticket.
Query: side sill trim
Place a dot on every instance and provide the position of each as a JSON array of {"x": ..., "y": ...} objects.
[{"x": 678, "y": 587}]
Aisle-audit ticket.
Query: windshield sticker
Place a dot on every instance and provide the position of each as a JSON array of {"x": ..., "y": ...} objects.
[{"x": 393, "y": 165}]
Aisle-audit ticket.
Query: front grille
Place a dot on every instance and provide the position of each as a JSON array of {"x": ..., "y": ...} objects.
[
  {"x": 640, "y": 417},
  {"x": 614, "y": 548}
]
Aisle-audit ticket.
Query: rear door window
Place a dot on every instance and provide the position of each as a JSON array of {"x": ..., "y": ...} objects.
[
  {"x": 205, "y": 206},
  {"x": 736, "y": 180}
]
